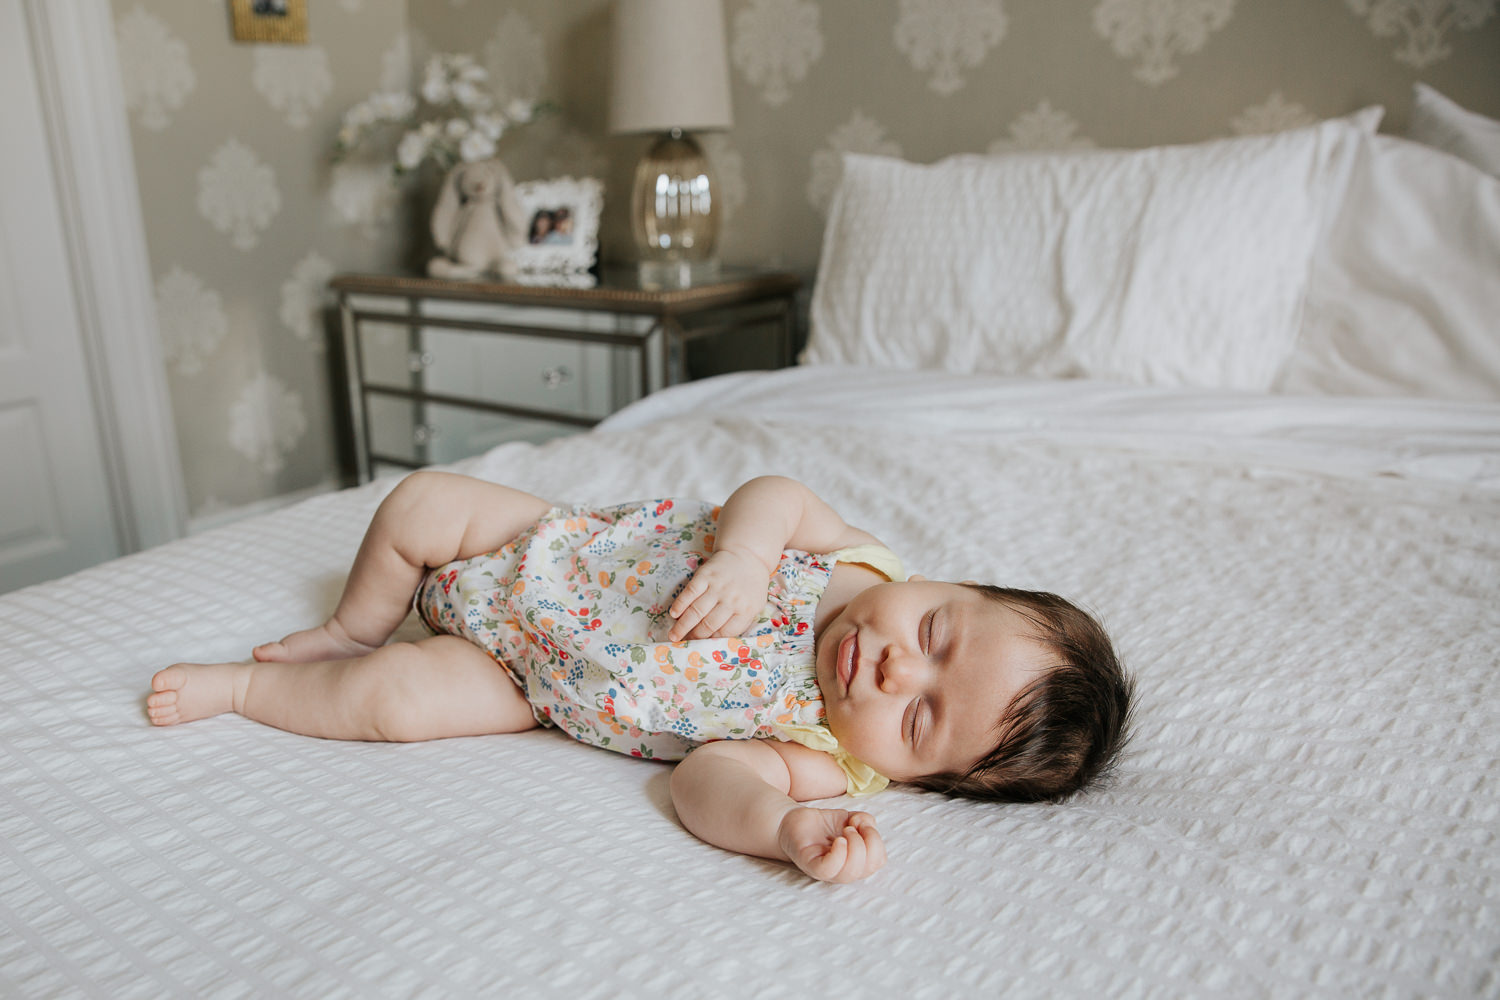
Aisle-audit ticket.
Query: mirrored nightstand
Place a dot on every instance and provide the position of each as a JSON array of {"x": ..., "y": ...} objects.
[{"x": 439, "y": 370}]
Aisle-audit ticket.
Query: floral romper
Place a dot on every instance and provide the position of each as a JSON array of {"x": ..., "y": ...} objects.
[{"x": 575, "y": 609}]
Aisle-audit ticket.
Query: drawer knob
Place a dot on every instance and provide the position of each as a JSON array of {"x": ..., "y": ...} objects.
[
  {"x": 418, "y": 360},
  {"x": 556, "y": 376},
  {"x": 423, "y": 433}
]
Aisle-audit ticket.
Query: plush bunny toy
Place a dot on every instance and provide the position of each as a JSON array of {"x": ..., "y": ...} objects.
[{"x": 477, "y": 222}]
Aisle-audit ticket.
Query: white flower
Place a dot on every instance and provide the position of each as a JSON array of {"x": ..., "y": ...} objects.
[
  {"x": 360, "y": 115},
  {"x": 468, "y": 95},
  {"x": 452, "y": 118},
  {"x": 476, "y": 146},
  {"x": 519, "y": 111},
  {"x": 435, "y": 84},
  {"x": 393, "y": 105},
  {"x": 411, "y": 149},
  {"x": 490, "y": 124}
]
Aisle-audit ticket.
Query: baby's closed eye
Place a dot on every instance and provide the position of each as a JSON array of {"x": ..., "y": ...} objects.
[{"x": 914, "y": 722}]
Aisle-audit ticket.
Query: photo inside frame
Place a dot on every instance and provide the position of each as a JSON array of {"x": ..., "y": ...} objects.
[
  {"x": 553, "y": 225},
  {"x": 269, "y": 20}
]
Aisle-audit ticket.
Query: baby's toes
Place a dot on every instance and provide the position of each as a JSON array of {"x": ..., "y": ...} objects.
[
  {"x": 161, "y": 708},
  {"x": 161, "y": 703},
  {"x": 170, "y": 679}
]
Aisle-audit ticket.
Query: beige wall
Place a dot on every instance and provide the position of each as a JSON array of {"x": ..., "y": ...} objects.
[{"x": 246, "y": 219}]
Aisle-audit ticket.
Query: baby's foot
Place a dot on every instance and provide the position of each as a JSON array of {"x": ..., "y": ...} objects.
[
  {"x": 184, "y": 692},
  {"x": 328, "y": 641}
]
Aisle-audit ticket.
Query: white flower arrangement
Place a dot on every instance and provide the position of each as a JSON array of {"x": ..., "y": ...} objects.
[{"x": 454, "y": 121}]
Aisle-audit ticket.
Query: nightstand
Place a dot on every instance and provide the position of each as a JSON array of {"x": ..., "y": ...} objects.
[{"x": 438, "y": 370}]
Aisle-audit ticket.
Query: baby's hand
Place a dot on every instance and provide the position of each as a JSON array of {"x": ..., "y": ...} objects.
[
  {"x": 723, "y": 597},
  {"x": 832, "y": 845}
]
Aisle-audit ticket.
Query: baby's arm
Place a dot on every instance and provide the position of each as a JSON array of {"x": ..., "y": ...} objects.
[
  {"x": 759, "y": 520},
  {"x": 743, "y": 795}
]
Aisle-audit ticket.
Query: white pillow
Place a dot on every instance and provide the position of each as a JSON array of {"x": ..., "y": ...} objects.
[
  {"x": 1439, "y": 122},
  {"x": 1180, "y": 265},
  {"x": 1404, "y": 296}
]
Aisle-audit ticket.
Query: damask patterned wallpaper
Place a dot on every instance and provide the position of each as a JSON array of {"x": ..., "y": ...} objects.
[{"x": 246, "y": 217}]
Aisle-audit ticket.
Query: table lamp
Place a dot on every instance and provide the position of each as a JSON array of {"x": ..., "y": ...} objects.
[{"x": 671, "y": 77}]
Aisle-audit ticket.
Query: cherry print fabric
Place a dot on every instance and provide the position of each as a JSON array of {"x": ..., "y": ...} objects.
[{"x": 575, "y": 609}]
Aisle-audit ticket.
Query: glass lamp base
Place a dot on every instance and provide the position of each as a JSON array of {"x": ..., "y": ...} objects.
[
  {"x": 659, "y": 274},
  {"x": 674, "y": 210}
]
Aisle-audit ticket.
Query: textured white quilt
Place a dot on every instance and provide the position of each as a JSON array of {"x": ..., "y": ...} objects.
[{"x": 1310, "y": 806}]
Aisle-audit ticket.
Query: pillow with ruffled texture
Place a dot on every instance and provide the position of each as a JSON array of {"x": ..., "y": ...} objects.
[
  {"x": 1175, "y": 265},
  {"x": 1404, "y": 294},
  {"x": 1440, "y": 122}
]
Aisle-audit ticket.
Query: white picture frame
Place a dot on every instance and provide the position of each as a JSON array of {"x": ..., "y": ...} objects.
[{"x": 562, "y": 225}]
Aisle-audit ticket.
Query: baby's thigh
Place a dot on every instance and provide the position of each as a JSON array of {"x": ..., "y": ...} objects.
[
  {"x": 447, "y": 516},
  {"x": 496, "y": 514},
  {"x": 451, "y": 687}
]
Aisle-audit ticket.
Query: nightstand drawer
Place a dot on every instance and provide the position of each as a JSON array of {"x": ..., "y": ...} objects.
[
  {"x": 410, "y": 432},
  {"x": 440, "y": 370},
  {"x": 554, "y": 375},
  {"x": 536, "y": 372}
]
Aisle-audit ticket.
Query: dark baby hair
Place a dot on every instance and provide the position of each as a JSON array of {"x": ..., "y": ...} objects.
[{"x": 1065, "y": 729}]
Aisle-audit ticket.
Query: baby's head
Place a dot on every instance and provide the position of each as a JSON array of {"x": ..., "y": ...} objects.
[
  {"x": 974, "y": 690},
  {"x": 1066, "y": 728}
]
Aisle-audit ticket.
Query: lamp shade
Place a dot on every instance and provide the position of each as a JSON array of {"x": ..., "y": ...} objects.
[{"x": 671, "y": 67}]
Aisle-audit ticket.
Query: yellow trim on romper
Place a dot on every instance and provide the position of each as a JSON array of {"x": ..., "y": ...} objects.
[{"x": 859, "y": 778}]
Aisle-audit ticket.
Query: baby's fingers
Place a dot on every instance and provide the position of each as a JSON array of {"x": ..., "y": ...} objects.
[
  {"x": 721, "y": 621},
  {"x": 864, "y": 850},
  {"x": 738, "y": 624},
  {"x": 686, "y": 596},
  {"x": 854, "y": 866},
  {"x": 690, "y": 618},
  {"x": 874, "y": 843},
  {"x": 847, "y": 858},
  {"x": 824, "y": 861}
]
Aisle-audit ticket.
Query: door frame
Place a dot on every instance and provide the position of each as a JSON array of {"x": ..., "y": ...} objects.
[{"x": 88, "y": 133}]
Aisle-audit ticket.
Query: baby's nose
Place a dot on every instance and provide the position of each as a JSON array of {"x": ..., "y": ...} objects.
[{"x": 899, "y": 669}]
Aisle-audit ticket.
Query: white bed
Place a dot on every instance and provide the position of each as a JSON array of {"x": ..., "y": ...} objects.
[{"x": 1304, "y": 585}]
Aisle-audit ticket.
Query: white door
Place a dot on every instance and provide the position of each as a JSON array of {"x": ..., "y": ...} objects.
[{"x": 55, "y": 512}]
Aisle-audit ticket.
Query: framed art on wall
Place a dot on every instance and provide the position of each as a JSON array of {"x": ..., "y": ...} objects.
[
  {"x": 562, "y": 224},
  {"x": 269, "y": 20}
]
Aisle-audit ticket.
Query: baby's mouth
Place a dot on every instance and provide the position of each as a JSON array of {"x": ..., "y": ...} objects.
[{"x": 848, "y": 659}]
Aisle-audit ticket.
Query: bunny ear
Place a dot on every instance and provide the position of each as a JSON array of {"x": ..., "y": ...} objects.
[
  {"x": 445, "y": 212},
  {"x": 511, "y": 213}
]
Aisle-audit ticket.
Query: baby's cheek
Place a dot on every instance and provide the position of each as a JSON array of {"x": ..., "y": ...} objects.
[{"x": 850, "y": 727}]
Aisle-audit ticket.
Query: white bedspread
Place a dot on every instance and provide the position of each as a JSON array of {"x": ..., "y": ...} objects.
[{"x": 1305, "y": 589}]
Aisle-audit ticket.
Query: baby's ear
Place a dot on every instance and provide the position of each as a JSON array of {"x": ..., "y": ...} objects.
[
  {"x": 915, "y": 577},
  {"x": 969, "y": 583}
]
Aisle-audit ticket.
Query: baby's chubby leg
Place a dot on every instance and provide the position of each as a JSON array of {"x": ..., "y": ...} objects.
[
  {"x": 439, "y": 687},
  {"x": 429, "y": 519}
]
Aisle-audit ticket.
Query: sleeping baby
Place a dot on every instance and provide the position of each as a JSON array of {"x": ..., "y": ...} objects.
[{"x": 780, "y": 654}]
